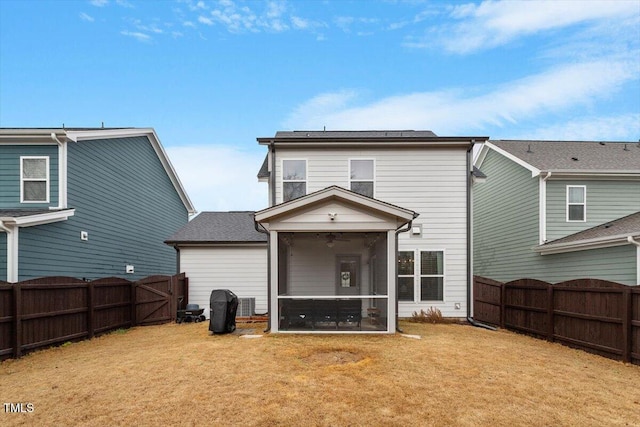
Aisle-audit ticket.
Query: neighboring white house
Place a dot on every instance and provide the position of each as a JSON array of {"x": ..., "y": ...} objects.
[{"x": 363, "y": 227}]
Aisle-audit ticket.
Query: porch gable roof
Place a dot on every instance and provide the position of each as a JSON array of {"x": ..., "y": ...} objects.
[{"x": 340, "y": 195}]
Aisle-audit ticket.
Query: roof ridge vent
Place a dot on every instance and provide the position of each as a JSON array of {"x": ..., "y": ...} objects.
[{"x": 601, "y": 143}]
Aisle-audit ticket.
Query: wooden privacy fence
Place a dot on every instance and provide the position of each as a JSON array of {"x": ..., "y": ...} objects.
[
  {"x": 594, "y": 315},
  {"x": 52, "y": 310}
]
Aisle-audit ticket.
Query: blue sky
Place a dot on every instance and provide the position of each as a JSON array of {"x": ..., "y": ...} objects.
[{"x": 211, "y": 76}]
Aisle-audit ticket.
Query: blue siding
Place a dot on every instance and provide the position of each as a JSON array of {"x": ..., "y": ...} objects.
[
  {"x": 3, "y": 256},
  {"x": 10, "y": 174},
  {"x": 127, "y": 204}
]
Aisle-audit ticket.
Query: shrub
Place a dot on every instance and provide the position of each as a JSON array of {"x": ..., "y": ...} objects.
[{"x": 432, "y": 315}]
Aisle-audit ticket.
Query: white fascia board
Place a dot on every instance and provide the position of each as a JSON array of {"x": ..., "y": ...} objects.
[
  {"x": 150, "y": 133},
  {"x": 583, "y": 245},
  {"x": 573, "y": 174},
  {"x": 39, "y": 219},
  {"x": 488, "y": 145}
]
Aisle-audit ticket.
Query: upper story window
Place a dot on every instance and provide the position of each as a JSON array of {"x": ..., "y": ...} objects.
[
  {"x": 34, "y": 179},
  {"x": 294, "y": 179},
  {"x": 361, "y": 176},
  {"x": 576, "y": 203}
]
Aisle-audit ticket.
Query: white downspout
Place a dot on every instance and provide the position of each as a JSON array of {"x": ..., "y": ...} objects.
[
  {"x": 62, "y": 173},
  {"x": 543, "y": 208},
  {"x": 12, "y": 251},
  {"x": 631, "y": 240}
]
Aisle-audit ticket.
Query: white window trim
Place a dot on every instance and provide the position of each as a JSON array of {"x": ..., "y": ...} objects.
[
  {"x": 22, "y": 179},
  {"x": 409, "y": 275},
  {"x": 282, "y": 180},
  {"x": 584, "y": 190},
  {"x": 443, "y": 275},
  {"x": 373, "y": 180}
]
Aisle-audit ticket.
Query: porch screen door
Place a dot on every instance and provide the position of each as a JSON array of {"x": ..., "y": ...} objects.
[{"x": 347, "y": 275}]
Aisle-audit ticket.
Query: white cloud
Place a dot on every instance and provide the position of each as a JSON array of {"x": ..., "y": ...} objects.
[
  {"x": 202, "y": 20},
  {"x": 625, "y": 127},
  {"x": 124, "y": 3},
  {"x": 99, "y": 3},
  {"x": 137, "y": 35},
  {"x": 220, "y": 178},
  {"x": 86, "y": 17},
  {"x": 449, "y": 111},
  {"x": 494, "y": 23}
]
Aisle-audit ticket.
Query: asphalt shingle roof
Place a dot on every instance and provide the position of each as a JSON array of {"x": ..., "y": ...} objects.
[
  {"x": 357, "y": 134},
  {"x": 575, "y": 155},
  {"x": 264, "y": 169},
  {"x": 219, "y": 227},
  {"x": 628, "y": 225}
]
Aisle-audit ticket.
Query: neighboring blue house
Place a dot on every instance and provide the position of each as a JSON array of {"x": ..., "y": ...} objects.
[
  {"x": 557, "y": 211},
  {"x": 87, "y": 203}
]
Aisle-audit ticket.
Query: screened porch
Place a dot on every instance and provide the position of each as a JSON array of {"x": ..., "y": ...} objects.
[{"x": 333, "y": 281}]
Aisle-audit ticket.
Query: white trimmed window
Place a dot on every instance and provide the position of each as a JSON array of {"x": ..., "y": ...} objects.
[
  {"x": 294, "y": 179},
  {"x": 431, "y": 276},
  {"x": 362, "y": 176},
  {"x": 34, "y": 179},
  {"x": 406, "y": 275},
  {"x": 576, "y": 203},
  {"x": 422, "y": 280}
]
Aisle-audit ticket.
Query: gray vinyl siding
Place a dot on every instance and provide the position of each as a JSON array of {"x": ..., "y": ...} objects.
[
  {"x": 10, "y": 174},
  {"x": 430, "y": 181},
  {"x": 506, "y": 229},
  {"x": 125, "y": 201},
  {"x": 606, "y": 201}
]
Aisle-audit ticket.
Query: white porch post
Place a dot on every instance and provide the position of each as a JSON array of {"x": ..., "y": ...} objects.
[
  {"x": 391, "y": 280},
  {"x": 274, "y": 314},
  {"x": 12, "y": 251}
]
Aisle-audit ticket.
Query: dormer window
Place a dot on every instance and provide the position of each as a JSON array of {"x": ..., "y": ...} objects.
[
  {"x": 34, "y": 179},
  {"x": 576, "y": 203},
  {"x": 361, "y": 176},
  {"x": 294, "y": 179}
]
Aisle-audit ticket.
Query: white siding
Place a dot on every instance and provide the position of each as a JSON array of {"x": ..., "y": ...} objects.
[
  {"x": 243, "y": 270},
  {"x": 430, "y": 181}
]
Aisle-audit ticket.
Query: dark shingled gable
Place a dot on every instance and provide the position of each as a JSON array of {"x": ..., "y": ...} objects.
[
  {"x": 219, "y": 227},
  {"x": 628, "y": 225}
]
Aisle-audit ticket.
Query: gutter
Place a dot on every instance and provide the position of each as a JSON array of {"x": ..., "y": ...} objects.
[
  {"x": 469, "y": 245},
  {"x": 636, "y": 243},
  {"x": 260, "y": 229},
  {"x": 398, "y": 231},
  {"x": 62, "y": 173}
]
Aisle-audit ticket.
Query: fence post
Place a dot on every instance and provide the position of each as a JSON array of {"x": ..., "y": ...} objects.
[
  {"x": 17, "y": 320},
  {"x": 550, "y": 308},
  {"x": 133, "y": 304},
  {"x": 90, "y": 307},
  {"x": 503, "y": 295},
  {"x": 627, "y": 336}
]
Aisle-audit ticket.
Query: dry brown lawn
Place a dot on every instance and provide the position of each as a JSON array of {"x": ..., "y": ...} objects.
[{"x": 455, "y": 375}]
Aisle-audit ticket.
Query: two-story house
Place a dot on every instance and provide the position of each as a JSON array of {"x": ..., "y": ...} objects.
[
  {"x": 87, "y": 203},
  {"x": 557, "y": 211},
  {"x": 361, "y": 227}
]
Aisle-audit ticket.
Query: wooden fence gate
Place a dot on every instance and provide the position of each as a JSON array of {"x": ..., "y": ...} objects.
[{"x": 157, "y": 299}]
